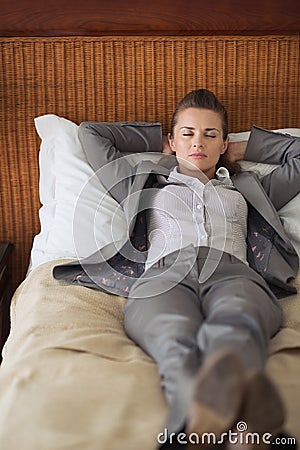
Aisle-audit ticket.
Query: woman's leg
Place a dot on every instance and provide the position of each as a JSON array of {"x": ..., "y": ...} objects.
[
  {"x": 165, "y": 326},
  {"x": 239, "y": 312}
]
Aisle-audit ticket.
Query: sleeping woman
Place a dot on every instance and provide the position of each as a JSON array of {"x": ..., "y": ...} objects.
[{"x": 204, "y": 266}]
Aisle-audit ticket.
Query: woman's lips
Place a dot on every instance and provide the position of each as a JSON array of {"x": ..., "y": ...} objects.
[{"x": 198, "y": 155}]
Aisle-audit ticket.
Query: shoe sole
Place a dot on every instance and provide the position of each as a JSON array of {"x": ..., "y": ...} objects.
[
  {"x": 218, "y": 394},
  {"x": 263, "y": 410}
]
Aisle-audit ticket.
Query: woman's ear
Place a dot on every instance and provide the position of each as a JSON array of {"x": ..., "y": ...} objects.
[
  {"x": 225, "y": 145},
  {"x": 166, "y": 149},
  {"x": 167, "y": 144},
  {"x": 171, "y": 143}
]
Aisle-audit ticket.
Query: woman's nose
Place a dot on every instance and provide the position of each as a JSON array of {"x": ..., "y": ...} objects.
[{"x": 198, "y": 144}]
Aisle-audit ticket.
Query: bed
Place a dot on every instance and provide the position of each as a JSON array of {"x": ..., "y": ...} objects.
[{"x": 70, "y": 378}]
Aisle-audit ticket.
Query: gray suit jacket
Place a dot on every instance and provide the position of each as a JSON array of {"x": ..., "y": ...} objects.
[{"x": 270, "y": 252}]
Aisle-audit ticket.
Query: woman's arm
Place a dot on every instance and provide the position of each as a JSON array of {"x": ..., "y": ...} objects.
[
  {"x": 268, "y": 147},
  {"x": 104, "y": 142}
]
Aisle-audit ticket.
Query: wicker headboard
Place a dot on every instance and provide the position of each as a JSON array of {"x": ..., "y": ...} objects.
[{"x": 128, "y": 78}]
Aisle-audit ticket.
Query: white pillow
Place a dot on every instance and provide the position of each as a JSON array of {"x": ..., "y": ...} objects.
[
  {"x": 244, "y": 135},
  {"x": 289, "y": 213},
  {"x": 70, "y": 190}
]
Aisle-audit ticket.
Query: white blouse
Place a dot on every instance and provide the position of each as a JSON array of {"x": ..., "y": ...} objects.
[{"x": 187, "y": 211}]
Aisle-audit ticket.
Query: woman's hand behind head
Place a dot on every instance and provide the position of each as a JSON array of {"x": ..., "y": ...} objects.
[{"x": 236, "y": 151}]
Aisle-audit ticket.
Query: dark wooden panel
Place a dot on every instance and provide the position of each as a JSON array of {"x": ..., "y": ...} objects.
[{"x": 96, "y": 17}]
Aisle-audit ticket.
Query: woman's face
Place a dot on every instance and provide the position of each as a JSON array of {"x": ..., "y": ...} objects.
[{"x": 198, "y": 141}]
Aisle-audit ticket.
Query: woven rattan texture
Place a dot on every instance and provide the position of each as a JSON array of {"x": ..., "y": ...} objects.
[{"x": 128, "y": 78}]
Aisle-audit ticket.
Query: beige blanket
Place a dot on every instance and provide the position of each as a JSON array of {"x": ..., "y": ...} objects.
[{"x": 71, "y": 379}]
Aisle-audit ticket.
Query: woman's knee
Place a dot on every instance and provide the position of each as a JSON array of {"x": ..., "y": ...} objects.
[
  {"x": 250, "y": 307},
  {"x": 163, "y": 334}
]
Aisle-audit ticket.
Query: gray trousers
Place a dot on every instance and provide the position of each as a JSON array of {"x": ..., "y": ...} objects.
[{"x": 180, "y": 321}]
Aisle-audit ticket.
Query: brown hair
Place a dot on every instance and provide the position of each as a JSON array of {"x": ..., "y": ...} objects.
[{"x": 205, "y": 99}]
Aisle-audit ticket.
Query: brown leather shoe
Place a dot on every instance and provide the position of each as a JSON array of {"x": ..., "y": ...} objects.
[{"x": 218, "y": 394}]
